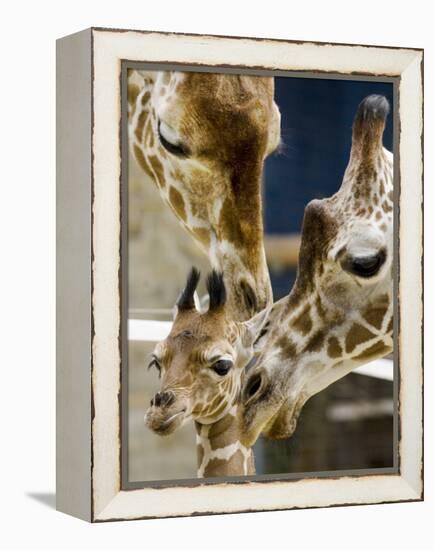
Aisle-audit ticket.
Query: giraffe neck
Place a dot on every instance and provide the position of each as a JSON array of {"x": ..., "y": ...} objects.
[
  {"x": 219, "y": 450},
  {"x": 334, "y": 332},
  {"x": 324, "y": 343}
]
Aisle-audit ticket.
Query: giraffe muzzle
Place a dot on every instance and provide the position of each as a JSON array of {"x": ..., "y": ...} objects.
[
  {"x": 163, "y": 399},
  {"x": 261, "y": 400},
  {"x": 165, "y": 413}
]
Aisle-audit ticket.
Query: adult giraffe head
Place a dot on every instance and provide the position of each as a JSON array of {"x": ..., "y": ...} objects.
[
  {"x": 203, "y": 139},
  {"x": 339, "y": 312},
  {"x": 201, "y": 365}
]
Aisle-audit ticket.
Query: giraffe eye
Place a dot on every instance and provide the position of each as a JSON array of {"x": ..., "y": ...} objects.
[
  {"x": 222, "y": 367},
  {"x": 169, "y": 141},
  {"x": 365, "y": 266}
]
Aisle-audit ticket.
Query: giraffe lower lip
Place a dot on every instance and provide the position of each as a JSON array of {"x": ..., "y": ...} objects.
[
  {"x": 169, "y": 425},
  {"x": 169, "y": 421}
]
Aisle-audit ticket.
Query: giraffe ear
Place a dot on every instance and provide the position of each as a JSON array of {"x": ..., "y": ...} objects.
[
  {"x": 256, "y": 329},
  {"x": 187, "y": 300}
]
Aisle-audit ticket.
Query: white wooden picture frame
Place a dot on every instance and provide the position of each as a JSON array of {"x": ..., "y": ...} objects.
[{"x": 89, "y": 324}]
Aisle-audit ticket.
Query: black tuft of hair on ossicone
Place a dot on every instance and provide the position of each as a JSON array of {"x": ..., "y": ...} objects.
[
  {"x": 186, "y": 299},
  {"x": 216, "y": 290},
  {"x": 368, "y": 126}
]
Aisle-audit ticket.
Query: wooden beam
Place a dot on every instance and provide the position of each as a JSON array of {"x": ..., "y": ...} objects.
[{"x": 282, "y": 251}]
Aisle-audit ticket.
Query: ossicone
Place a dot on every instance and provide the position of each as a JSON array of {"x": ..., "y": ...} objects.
[
  {"x": 186, "y": 299},
  {"x": 368, "y": 126},
  {"x": 372, "y": 108},
  {"x": 216, "y": 290}
]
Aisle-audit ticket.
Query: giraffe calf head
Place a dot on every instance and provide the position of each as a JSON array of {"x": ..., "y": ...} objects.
[{"x": 201, "y": 363}]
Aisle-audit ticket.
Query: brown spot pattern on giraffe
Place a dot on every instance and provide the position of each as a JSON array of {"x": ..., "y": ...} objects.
[
  {"x": 334, "y": 349},
  {"x": 316, "y": 342},
  {"x": 177, "y": 202},
  {"x": 132, "y": 93},
  {"x": 357, "y": 335},
  {"x": 320, "y": 308},
  {"x": 145, "y": 98},
  {"x": 142, "y": 162},
  {"x": 149, "y": 136},
  {"x": 158, "y": 169},
  {"x": 140, "y": 125},
  {"x": 376, "y": 350},
  {"x": 375, "y": 316},
  {"x": 288, "y": 349},
  {"x": 230, "y": 223},
  {"x": 217, "y": 467},
  {"x": 390, "y": 325},
  {"x": 222, "y": 432},
  {"x": 202, "y": 235},
  {"x": 386, "y": 207},
  {"x": 374, "y": 313},
  {"x": 303, "y": 322}
]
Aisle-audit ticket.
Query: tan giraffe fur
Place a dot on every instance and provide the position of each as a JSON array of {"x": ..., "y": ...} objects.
[
  {"x": 202, "y": 138},
  {"x": 339, "y": 313},
  {"x": 194, "y": 386}
]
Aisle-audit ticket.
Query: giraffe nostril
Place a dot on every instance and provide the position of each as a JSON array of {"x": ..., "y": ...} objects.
[
  {"x": 163, "y": 399},
  {"x": 167, "y": 398},
  {"x": 157, "y": 399},
  {"x": 249, "y": 296},
  {"x": 252, "y": 386}
]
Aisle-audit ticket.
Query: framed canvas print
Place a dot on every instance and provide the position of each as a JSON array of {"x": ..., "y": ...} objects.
[{"x": 239, "y": 274}]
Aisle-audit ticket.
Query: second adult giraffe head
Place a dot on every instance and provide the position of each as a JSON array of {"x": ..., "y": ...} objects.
[
  {"x": 339, "y": 313},
  {"x": 203, "y": 139}
]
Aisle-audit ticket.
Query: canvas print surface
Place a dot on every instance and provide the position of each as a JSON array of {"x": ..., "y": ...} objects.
[{"x": 258, "y": 276}]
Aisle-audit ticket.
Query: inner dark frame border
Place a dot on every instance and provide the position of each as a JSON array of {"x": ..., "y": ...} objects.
[{"x": 123, "y": 275}]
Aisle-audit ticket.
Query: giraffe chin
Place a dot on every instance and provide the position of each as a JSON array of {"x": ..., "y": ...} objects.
[
  {"x": 252, "y": 430},
  {"x": 164, "y": 422}
]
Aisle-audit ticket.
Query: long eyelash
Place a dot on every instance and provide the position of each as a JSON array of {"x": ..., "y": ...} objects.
[
  {"x": 156, "y": 364},
  {"x": 178, "y": 150}
]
